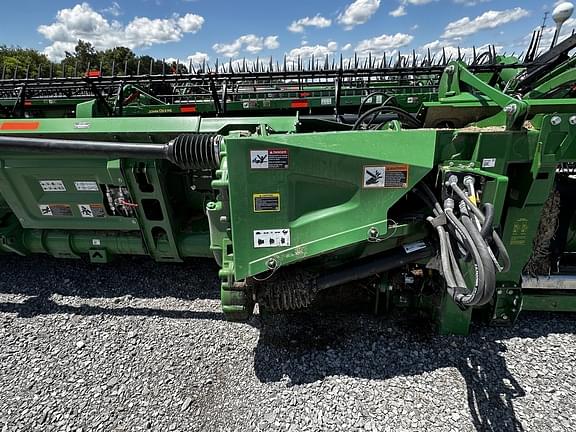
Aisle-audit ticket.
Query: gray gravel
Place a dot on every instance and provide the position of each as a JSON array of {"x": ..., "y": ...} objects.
[{"x": 138, "y": 346}]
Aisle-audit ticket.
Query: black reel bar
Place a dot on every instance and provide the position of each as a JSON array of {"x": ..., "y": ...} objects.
[{"x": 230, "y": 80}]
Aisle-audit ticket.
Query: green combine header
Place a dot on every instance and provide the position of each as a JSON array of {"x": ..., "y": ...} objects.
[{"x": 443, "y": 186}]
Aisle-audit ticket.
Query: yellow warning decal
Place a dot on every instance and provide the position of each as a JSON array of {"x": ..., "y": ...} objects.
[{"x": 266, "y": 202}]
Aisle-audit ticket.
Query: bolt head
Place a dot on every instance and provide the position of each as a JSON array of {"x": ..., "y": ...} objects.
[
  {"x": 510, "y": 109},
  {"x": 504, "y": 317},
  {"x": 499, "y": 292},
  {"x": 271, "y": 263},
  {"x": 373, "y": 232},
  {"x": 556, "y": 120},
  {"x": 510, "y": 292},
  {"x": 572, "y": 120}
]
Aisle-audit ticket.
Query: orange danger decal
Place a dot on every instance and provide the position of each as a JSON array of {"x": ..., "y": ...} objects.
[
  {"x": 20, "y": 125},
  {"x": 302, "y": 103}
]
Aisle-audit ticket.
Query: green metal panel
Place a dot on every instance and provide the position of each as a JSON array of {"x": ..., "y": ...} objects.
[
  {"x": 139, "y": 129},
  {"x": 322, "y": 199},
  {"x": 20, "y": 185},
  {"x": 549, "y": 302}
]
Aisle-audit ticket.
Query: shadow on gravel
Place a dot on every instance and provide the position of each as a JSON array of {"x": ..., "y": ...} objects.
[
  {"x": 40, "y": 277},
  {"x": 308, "y": 347}
]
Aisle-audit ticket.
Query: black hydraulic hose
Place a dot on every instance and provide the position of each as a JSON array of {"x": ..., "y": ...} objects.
[
  {"x": 403, "y": 115},
  {"x": 376, "y": 93},
  {"x": 373, "y": 265},
  {"x": 503, "y": 253},
  {"x": 187, "y": 151},
  {"x": 486, "y": 262},
  {"x": 477, "y": 292},
  {"x": 473, "y": 239},
  {"x": 88, "y": 148},
  {"x": 487, "y": 228}
]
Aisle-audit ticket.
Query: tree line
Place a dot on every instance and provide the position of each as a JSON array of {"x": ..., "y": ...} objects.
[{"x": 17, "y": 62}]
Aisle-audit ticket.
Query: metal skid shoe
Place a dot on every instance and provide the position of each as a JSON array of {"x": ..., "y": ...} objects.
[
  {"x": 236, "y": 299},
  {"x": 237, "y": 305}
]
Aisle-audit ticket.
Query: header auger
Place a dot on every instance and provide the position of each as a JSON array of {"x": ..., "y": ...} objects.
[{"x": 432, "y": 182}]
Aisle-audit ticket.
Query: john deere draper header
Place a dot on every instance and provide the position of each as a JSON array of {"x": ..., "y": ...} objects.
[{"x": 445, "y": 186}]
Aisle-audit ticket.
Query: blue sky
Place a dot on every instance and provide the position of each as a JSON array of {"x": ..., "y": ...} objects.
[{"x": 199, "y": 29}]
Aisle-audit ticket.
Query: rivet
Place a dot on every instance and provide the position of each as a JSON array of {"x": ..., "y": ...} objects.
[
  {"x": 504, "y": 317},
  {"x": 510, "y": 292},
  {"x": 500, "y": 292},
  {"x": 556, "y": 120},
  {"x": 572, "y": 120}
]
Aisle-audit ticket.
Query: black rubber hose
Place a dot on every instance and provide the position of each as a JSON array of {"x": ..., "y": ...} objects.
[
  {"x": 502, "y": 252},
  {"x": 485, "y": 261},
  {"x": 188, "y": 151},
  {"x": 376, "y": 93},
  {"x": 403, "y": 115},
  {"x": 372, "y": 265},
  {"x": 487, "y": 228},
  {"x": 86, "y": 148},
  {"x": 477, "y": 293}
]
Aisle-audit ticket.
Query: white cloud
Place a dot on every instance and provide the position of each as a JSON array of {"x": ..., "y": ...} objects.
[
  {"x": 307, "y": 51},
  {"x": 347, "y": 47},
  {"x": 418, "y": 2},
  {"x": 398, "y": 12},
  {"x": 383, "y": 43},
  {"x": 113, "y": 10},
  {"x": 249, "y": 43},
  {"x": 358, "y": 12},
  {"x": 470, "y": 2},
  {"x": 567, "y": 29},
  {"x": 198, "y": 58},
  {"x": 438, "y": 47},
  {"x": 317, "y": 21},
  {"x": 191, "y": 23},
  {"x": 488, "y": 20},
  {"x": 83, "y": 22}
]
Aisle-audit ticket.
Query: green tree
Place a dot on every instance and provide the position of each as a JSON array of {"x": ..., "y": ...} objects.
[
  {"x": 84, "y": 57},
  {"x": 121, "y": 59},
  {"x": 22, "y": 62}
]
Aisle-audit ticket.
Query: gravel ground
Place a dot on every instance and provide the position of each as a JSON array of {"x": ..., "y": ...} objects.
[{"x": 137, "y": 346}]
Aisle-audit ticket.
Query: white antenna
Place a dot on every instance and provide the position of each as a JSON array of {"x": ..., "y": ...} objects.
[{"x": 561, "y": 14}]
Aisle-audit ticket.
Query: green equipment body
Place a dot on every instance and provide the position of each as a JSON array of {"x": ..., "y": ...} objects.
[{"x": 453, "y": 201}]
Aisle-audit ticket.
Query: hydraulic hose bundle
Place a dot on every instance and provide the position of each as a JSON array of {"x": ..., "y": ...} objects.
[
  {"x": 466, "y": 236},
  {"x": 367, "y": 118}
]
